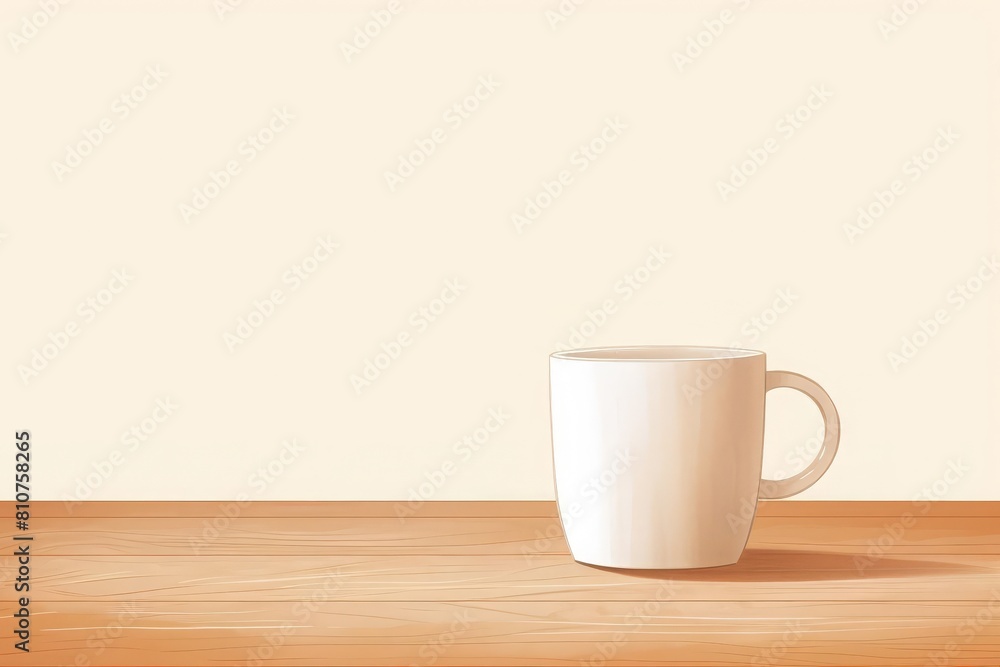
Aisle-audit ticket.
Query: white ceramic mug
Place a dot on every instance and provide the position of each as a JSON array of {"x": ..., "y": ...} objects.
[{"x": 657, "y": 452}]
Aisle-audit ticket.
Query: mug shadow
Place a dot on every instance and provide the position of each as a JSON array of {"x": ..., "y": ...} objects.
[{"x": 787, "y": 565}]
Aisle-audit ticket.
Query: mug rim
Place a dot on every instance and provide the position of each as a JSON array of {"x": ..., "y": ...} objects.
[{"x": 655, "y": 353}]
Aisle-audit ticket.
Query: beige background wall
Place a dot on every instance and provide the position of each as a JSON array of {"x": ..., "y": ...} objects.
[{"x": 197, "y": 85}]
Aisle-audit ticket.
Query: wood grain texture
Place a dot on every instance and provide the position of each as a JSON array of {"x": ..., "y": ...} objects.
[
  {"x": 471, "y": 508},
  {"x": 762, "y": 575},
  {"x": 491, "y": 583},
  {"x": 463, "y": 535}
]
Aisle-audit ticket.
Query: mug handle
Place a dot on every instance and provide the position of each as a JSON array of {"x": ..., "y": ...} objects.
[{"x": 782, "y": 488}]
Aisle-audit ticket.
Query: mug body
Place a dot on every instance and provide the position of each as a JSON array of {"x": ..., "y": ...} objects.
[{"x": 657, "y": 453}]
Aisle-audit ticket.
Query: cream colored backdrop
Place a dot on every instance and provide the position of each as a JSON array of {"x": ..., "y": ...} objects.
[{"x": 601, "y": 174}]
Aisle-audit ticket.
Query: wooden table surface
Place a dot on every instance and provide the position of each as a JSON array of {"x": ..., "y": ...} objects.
[{"x": 492, "y": 583}]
